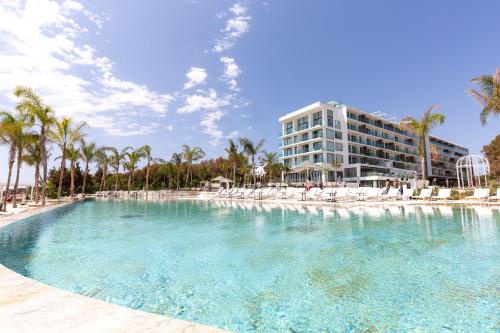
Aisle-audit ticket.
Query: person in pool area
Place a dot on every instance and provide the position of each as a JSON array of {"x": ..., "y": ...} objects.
[{"x": 309, "y": 184}]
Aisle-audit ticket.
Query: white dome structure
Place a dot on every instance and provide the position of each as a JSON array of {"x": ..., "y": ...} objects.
[{"x": 472, "y": 171}]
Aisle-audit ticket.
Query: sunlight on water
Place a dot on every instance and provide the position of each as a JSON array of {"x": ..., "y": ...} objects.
[{"x": 271, "y": 267}]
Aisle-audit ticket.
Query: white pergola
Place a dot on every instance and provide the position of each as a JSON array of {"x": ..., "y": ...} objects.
[{"x": 472, "y": 171}]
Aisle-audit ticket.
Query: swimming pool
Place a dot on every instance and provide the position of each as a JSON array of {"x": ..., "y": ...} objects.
[{"x": 270, "y": 268}]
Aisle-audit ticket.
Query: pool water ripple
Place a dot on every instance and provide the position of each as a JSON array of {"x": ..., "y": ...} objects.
[{"x": 266, "y": 268}]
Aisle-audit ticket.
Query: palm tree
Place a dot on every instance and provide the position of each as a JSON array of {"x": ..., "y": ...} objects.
[
  {"x": 146, "y": 150},
  {"x": 191, "y": 155},
  {"x": 422, "y": 128},
  {"x": 489, "y": 94},
  {"x": 65, "y": 133},
  {"x": 233, "y": 156},
  {"x": 131, "y": 163},
  {"x": 23, "y": 139},
  {"x": 177, "y": 161},
  {"x": 271, "y": 159},
  {"x": 336, "y": 164},
  {"x": 73, "y": 154},
  {"x": 41, "y": 115},
  {"x": 251, "y": 150},
  {"x": 33, "y": 158},
  {"x": 8, "y": 125},
  {"x": 103, "y": 159},
  {"x": 87, "y": 154},
  {"x": 117, "y": 159}
]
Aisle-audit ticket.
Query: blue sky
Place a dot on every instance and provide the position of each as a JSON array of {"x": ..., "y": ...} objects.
[{"x": 196, "y": 72}]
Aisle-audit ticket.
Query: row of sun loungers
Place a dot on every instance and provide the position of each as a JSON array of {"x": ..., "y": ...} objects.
[{"x": 345, "y": 194}]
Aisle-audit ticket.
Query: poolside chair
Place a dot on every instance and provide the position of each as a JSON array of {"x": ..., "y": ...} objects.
[
  {"x": 479, "y": 194},
  {"x": 312, "y": 194},
  {"x": 327, "y": 194},
  {"x": 271, "y": 193},
  {"x": 425, "y": 193},
  {"x": 285, "y": 193},
  {"x": 495, "y": 197},
  {"x": 370, "y": 193},
  {"x": 407, "y": 193},
  {"x": 342, "y": 193},
  {"x": 443, "y": 194},
  {"x": 298, "y": 193},
  {"x": 393, "y": 193}
]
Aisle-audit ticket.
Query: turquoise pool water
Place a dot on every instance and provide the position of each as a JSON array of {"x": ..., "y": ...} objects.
[{"x": 267, "y": 268}]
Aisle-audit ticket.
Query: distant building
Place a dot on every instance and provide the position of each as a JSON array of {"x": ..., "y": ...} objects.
[{"x": 369, "y": 147}]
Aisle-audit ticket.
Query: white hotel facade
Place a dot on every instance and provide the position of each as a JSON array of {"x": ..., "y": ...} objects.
[{"x": 370, "y": 147}]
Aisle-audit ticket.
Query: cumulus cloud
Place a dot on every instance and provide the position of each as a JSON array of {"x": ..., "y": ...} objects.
[
  {"x": 42, "y": 45},
  {"x": 210, "y": 126},
  {"x": 231, "y": 72},
  {"x": 203, "y": 101},
  {"x": 236, "y": 26},
  {"x": 195, "y": 76}
]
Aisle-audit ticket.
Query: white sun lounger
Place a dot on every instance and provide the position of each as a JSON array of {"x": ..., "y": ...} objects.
[
  {"x": 408, "y": 193},
  {"x": 342, "y": 193},
  {"x": 479, "y": 194},
  {"x": 443, "y": 194},
  {"x": 298, "y": 193},
  {"x": 495, "y": 197},
  {"x": 327, "y": 194},
  {"x": 312, "y": 194},
  {"x": 425, "y": 193},
  {"x": 393, "y": 193}
]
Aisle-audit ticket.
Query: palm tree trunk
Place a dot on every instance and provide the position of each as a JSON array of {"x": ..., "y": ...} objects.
[
  {"x": 72, "y": 176},
  {"x": 129, "y": 181},
  {"x": 254, "y": 175},
  {"x": 61, "y": 173},
  {"x": 423, "y": 160},
  {"x": 147, "y": 179},
  {"x": 37, "y": 178},
  {"x": 116, "y": 177},
  {"x": 85, "y": 175},
  {"x": 11, "y": 160},
  {"x": 178, "y": 177},
  {"x": 43, "y": 152},
  {"x": 16, "y": 183},
  {"x": 234, "y": 174},
  {"x": 187, "y": 174}
]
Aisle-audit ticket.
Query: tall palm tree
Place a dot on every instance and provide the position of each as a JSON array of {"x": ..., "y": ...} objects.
[
  {"x": 73, "y": 154},
  {"x": 130, "y": 164},
  {"x": 87, "y": 154},
  {"x": 252, "y": 149},
  {"x": 33, "y": 158},
  {"x": 422, "y": 128},
  {"x": 233, "y": 156},
  {"x": 117, "y": 158},
  {"x": 103, "y": 159},
  {"x": 65, "y": 133},
  {"x": 177, "y": 161},
  {"x": 489, "y": 94},
  {"x": 336, "y": 164},
  {"x": 42, "y": 116},
  {"x": 146, "y": 150},
  {"x": 8, "y": 125},
  {"x": 271, "y": 159},
  {"x": 191, "y": 155},
  {"x": 23, "y": 139}
]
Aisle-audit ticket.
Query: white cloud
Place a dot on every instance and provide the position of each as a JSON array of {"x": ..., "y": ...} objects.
[
  {"x": 231, "y": 72},
  {"x": 169, "y": 127},
  {"x": 41, "y": 45},
  {"x": 236, "y": 26},
  {"x": 209, "y": 123},
  {"x": 195, "y": 76},
  {"x": 203, "y": 101}
]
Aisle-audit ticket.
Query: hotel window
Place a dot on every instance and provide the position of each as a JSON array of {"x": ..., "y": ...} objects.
[
  {"x": 286, "y": 162},
  {"x": 329, "y": 158},
  {"x": 339, "y": 158},
  {"x": 305, "y": 158},
  {"x": 302, "y": 123},
  {"x": 287, "y": 141},
  {"x": 318, "y": 158},
  {"x": 317, "y": 134},
  {"x": 339, "y": 146},
  {"x": 317, "y": 145},
  {"x": 338, "y": 135},
  {"x": 317, "y": 118},
  {"x": 288, "y": 152},
  {"x": 330, "y": 134},
  {"x": 289, "y": 128},
  {"x": 329, "y": 114},
  {"x": 305, "y": 137},
  {"x": 330, "y": 146},
  {"x": 338, "y": 125}
]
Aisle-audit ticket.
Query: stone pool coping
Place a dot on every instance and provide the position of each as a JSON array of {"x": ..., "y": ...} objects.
[{"x": 27, "y": 305}]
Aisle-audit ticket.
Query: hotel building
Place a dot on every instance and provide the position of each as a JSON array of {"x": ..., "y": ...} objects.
[{"x": 368, "y": 147}]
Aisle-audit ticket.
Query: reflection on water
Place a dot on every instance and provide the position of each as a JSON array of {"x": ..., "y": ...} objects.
[{"x": 273, "y": 267}]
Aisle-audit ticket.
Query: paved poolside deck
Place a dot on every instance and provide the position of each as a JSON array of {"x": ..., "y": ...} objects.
[{"x": 27, "y": 305}]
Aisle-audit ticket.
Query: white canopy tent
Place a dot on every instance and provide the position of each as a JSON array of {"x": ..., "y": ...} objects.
[
  {"x": 472, "y": 171},
  {"x": 220, "y": 179}
]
